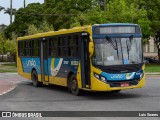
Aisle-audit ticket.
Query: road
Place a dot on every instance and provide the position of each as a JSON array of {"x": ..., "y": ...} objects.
[{"x": 54, "y": 98}]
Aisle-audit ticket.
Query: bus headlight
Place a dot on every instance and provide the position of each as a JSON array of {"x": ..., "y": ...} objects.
[
  {"x": 141, "y": 75},
  {"x": 103, "y": 79},
  {"x": 96, "y": 76}
]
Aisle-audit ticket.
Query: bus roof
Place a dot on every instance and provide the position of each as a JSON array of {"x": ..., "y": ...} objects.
[
  {"x": 61, "y": 31},
  {"x": 72, "y": 30},
  {"x": 116, "y": 24}
]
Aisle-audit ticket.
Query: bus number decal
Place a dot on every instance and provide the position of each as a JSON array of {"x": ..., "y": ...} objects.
[{"x": 66, "y": 62}]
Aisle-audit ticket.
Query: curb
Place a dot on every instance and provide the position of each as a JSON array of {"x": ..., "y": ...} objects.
[{"x": 157, "y": 73}]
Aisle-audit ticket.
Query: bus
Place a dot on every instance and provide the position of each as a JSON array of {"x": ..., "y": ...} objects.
[{"x": 100, "y": 57}]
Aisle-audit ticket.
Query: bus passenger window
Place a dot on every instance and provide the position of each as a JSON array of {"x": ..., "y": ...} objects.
[
  {"x": 53, "y": 47},
  {"x": 63, "y": 46},
  {"x": 73, "y": 46},
  {"x": 35, "y": 48}
]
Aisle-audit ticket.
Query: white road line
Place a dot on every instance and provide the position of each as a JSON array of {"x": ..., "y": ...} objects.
[
  {"x": 12, "y": 88},
  {"x": 9, "y": 73}
]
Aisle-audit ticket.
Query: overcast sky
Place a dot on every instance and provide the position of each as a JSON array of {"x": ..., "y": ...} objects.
[{"x": 4, "y": 18}]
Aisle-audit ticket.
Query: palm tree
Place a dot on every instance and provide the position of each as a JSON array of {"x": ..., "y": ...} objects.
[
  {"x": 8, "y": 11},
  {"x": 11, "y": 12},
  {"x": 24, "y": 3},
  {"x": 1, "y": 8}
]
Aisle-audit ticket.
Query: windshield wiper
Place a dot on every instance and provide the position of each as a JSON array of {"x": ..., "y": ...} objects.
[
  {"x": 110, "y": 41},
  {"x": 129, "y": 42},
  {"x": 130, "y": 38}
]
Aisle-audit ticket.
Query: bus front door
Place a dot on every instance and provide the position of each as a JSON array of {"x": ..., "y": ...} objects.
[
  {"x": 85, "y": 61},
  {"x": 44, "y": 61}
]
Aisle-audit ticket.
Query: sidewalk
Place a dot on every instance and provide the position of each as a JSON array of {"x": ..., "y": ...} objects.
[{"x": 153, "y": 73}]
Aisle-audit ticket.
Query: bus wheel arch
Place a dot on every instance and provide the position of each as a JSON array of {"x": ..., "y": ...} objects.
[
  {"x": 34, "y": 78},
  {"x": 68, "y": 80},
  {"x": 73, "y": 85}
]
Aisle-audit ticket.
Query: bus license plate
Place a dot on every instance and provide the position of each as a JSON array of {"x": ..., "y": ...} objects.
[{"x": 124, "y": 84}]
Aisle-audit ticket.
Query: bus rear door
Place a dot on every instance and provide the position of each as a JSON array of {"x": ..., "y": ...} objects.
[{"x": 44, "y": 60}]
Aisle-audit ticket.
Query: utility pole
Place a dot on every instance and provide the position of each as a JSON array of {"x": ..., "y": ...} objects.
[
  {"x": 105, "y": 7},
  {"x": 24, "y": 3},
  {"x": 11, "y": 11}
]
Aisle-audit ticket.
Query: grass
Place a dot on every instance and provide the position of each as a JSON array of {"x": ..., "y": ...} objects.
[
  {"x": 10, "y": 64},
  {"x": 8, "y": 67},
  {"x": 152, "y": 68}
]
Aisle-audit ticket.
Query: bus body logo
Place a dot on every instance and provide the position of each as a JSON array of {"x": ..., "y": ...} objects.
[
  {"x": 129, "y": 75},
  {"x": 118, "y": 76},
  {"x": 31, "y": 63}
]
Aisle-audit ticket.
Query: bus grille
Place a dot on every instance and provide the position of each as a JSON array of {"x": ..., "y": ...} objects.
[{"x": 118, "y": 83}]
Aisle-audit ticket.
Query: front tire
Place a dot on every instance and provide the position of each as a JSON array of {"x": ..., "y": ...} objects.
[
  {"x": 34, "y": 78},
  {"x": 73, "y": 86}
]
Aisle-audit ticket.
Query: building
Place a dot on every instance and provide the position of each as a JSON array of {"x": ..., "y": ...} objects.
[{"x": 150, "y": 49}]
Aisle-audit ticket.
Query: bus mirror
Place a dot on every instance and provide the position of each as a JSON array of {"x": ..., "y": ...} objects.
[{"x": 91, "y": 48}]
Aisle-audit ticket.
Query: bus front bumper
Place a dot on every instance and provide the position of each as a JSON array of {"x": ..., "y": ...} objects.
[{"x": 98, "y": 85}]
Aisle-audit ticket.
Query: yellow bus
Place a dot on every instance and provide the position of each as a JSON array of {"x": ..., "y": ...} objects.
[{"x": 100, "y": 57}]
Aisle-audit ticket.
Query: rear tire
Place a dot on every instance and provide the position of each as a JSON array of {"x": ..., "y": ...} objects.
[
  {"x": 34, "y": 78},
  {"x": 73, "y": 86}
]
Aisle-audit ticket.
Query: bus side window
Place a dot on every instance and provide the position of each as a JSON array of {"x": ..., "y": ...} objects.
[
  {"x": 28, "y": 48},
  {"x": 63, "y": 46},
  {"x": 35, "y": 47},
  {"x": 53, "y": 47},
  {"x": 21, "y": 48},
  {"x": 73, "y": 46}
]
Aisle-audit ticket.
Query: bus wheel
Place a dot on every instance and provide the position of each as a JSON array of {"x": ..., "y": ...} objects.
[
  {"x": 74, "y": 86},
  {"x": 35, "y": 81}
]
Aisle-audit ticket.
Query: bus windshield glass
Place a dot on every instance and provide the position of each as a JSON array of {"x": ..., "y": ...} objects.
[{"x": 117, "y": 51}]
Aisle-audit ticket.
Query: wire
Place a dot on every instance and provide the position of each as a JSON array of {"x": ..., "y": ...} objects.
[{"x": 42, "y": 14}]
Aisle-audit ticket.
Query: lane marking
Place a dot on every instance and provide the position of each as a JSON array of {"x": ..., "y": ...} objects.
[
  {"x": 10, "y": 89},
  {"x": 9, "y": 73}
]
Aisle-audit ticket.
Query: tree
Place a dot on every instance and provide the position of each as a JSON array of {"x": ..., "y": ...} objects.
[
  {"x": 153, "y": 9},
  {"x": 122, "y": 13},
  {"x": 65, "y": 11},
  {"x": 2, "y": 42},
  {"x": 25, "y": 17},
  {"x": 128, "y": 13},
  {"x": 44, "y": 27},
  {"x": 10, "y": 12},
  {"x": 1, "y": 8},
  {"x": 2, "y": 27}
]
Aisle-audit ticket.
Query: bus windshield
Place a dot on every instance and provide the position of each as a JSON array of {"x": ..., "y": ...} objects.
[{"x": 117, "y": 51}]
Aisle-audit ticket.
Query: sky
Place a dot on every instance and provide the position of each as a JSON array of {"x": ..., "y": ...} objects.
[{"x": 4, "y": 18}]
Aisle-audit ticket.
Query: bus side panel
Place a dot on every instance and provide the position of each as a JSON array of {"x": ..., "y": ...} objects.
[
  {"x": 20, "y": 69},
  {"x": 26, "y": 65},
  {"x": 59, "y": 68}
]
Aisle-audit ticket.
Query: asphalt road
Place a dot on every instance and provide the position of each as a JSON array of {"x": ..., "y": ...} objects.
[{"x": 25, "y": 97}]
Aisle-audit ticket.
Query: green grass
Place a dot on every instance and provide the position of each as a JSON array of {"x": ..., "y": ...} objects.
[
  {"x": 10, "y": 64},
  {"x": 152, "y": 68},
  {"x": 9, "y": 67}
]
